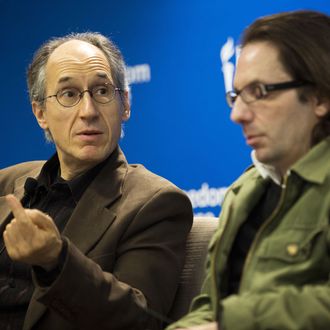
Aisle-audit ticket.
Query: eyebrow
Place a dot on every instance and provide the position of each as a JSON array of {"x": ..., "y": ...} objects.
[
  {"x": 64, "y": 79},
  {"x": 68, "y": 78},
  {"x": 255, "y": 81},
  {"x": 102, "y": 75}
]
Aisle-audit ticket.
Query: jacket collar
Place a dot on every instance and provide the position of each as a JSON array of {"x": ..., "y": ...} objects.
[
  {"x": 105, "y": 189},
  {"x": 314, "y": 166},
  {"x": 18, "y": 191},
  {"x": 94, "y": 206}
]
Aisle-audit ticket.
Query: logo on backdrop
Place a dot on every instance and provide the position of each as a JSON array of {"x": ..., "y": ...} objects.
[
  {"x": 206, "y": 200},
  {"x": 137, "y": 74},
  {"x": 228, "y": 55}
]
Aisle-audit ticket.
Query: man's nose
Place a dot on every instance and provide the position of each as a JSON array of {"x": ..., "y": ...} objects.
[
  {"x": 241, "y": 111},
  {"x": 87, "y": 107}
]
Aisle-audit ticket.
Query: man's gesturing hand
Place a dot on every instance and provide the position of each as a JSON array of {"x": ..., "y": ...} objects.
[{"x": 32, "y": 236}]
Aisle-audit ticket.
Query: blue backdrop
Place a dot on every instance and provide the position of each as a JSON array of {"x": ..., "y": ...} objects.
[{"x": 180, "y": 57}]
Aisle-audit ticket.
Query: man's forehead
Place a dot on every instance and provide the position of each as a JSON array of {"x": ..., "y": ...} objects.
[
  {"x": 259, "y": 61},
  {"x": 77, "y": 56},
  {"x": 76, "y": 49}
]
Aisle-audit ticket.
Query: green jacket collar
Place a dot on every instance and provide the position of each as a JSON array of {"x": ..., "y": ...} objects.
[{"x": 314, "y": 166}]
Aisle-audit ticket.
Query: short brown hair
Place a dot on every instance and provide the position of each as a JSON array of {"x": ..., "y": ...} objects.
[{"x": 302, "y": 38}]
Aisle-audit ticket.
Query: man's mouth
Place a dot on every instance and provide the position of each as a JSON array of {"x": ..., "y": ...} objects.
[
  {"x": 89, "y": 135},
  {"x": 252, "y": 140}
]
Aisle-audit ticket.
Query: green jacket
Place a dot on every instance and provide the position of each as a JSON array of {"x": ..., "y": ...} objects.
[{"x": 286, "y": 276}]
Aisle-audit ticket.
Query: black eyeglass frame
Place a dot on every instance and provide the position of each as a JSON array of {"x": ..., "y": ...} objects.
[
  {"x": 231, "y": 96},
  {"x": 81, "y": 94}
]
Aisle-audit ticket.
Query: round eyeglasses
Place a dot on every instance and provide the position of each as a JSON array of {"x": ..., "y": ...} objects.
[
  {"x": 257, "y": 91},
  {"x": 70, "y": 96}
]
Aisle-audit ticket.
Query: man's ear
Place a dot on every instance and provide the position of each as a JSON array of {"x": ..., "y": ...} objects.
[
  {"x": 39, "y": 113},
  {"x": 127, "y": 107},
  {"x": 322, "y": 109},
  {"x": 321, "y": 105}
]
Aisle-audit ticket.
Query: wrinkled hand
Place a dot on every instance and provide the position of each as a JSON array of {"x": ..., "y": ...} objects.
[
  {"x": 207, "y": 326},
  {"x": 32, "y": 236}
]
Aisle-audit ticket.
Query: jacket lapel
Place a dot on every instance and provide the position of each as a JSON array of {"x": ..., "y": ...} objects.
[
  {"x": 5, "y": 211},
  {"x": 242, "y": 197},
  {"x": 246, "y": 194},
  {"x": 91, "y": 218},
  {"x": 34, "y": 312},
  {"x": 93, "y": 214},
  {"x": 18, "y": 193}
]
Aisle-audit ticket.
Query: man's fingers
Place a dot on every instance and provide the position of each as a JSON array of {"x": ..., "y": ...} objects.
[
  {"x": 16, "y": 207},
  {"x": 40, "y": 219}
]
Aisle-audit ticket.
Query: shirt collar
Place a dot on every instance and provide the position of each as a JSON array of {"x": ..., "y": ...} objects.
[
  {"x": 49, "y": 176},
  {"x": 79, "y": 184},
  {"x": 49, "y": 172},
  {"x": 266, "y": 171}
]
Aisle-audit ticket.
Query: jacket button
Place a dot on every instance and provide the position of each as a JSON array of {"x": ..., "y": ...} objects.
[{"x": 292, "y": 249}]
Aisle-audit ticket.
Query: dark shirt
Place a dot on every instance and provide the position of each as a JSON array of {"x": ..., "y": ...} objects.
[
  {"x": 246, "y": 234},
  {"x": 58, "y": 198}
]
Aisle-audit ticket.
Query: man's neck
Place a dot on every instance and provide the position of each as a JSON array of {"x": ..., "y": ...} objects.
[
  {"x": 73, "y": 171},
  {"x": 268, "y": 171}
]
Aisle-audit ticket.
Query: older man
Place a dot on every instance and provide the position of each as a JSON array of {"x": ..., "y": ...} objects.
[
  {"x": 104, "y": 239},
  {"x": 269, "y": 262}
]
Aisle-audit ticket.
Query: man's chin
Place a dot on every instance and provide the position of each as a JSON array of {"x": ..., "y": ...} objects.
[
  {"x": 93, "y": 154},
  {"x": 263, "y": 156}
]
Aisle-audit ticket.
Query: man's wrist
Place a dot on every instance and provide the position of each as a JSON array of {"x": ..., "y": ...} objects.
[
  {"x": 46, "y": 277},
  {"x": 54, "y": 264}
]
